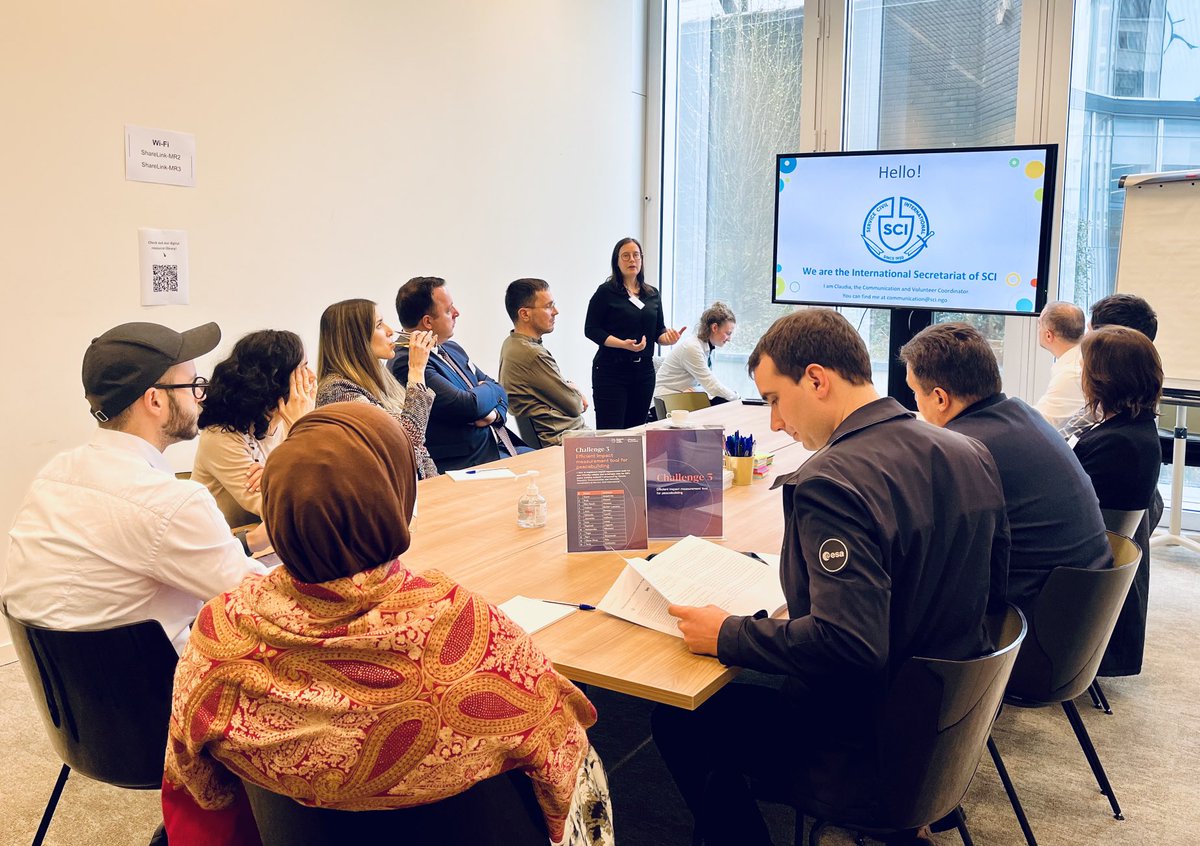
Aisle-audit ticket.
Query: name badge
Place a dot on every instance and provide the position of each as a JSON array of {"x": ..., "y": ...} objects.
[{"x": 636, "y": 300}]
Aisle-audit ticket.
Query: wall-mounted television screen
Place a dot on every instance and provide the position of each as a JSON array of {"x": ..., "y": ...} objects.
[{"x": 946, "y": 230}]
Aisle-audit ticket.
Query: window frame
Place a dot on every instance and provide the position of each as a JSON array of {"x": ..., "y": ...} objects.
[{"x": 1043, "y": 86}]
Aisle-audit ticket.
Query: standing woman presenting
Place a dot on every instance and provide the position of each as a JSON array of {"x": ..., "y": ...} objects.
[{"x": 625, "y": 319}]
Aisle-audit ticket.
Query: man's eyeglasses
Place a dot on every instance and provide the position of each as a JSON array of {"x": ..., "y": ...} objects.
[{"x": 198, "y": 387}]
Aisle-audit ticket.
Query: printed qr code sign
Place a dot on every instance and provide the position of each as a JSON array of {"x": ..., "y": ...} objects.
[{"x": 166, "y": 278}]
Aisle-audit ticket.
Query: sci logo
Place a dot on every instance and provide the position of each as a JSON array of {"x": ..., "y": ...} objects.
[{"x": 896, "y": 230}]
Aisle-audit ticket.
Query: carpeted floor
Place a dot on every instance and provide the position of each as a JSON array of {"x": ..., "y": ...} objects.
[{"x": 1150, "y": 747}]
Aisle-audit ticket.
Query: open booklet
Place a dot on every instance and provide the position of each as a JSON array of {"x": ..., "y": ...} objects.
[{"x": 693, "y": 572}]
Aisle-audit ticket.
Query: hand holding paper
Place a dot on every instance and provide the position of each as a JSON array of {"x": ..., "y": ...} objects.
[{"x": 700, "y": 626}]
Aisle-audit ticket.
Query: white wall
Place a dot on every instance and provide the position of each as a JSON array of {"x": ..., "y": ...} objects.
[{"x": 341, "y": 149}]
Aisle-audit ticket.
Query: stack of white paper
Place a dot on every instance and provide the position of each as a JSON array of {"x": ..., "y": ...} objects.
[{"x": 535, "y": 614}]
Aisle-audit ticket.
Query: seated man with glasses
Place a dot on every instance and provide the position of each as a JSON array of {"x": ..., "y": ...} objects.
[
  {"x": 107, "y": 535},
  {"x": 536, "y": 387}
]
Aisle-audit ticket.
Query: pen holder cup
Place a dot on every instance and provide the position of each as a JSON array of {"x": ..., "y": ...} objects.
[{"x": 742, "y": 467}]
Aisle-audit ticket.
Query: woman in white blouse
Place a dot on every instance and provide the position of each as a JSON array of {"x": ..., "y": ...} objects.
[{"x": 688, "y": 367}]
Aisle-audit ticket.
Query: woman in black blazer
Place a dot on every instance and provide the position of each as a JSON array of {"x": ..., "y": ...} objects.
[
  {"x": 625, "y": 319},
  {"x": 1122, "y": 383}
]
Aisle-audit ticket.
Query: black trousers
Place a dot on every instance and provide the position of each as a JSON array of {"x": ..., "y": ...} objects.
[
  {"x": 1123, "y": 657},
  {"x": 743, "y": 730},
  {"x": 755, "y": 735},
  {"x": 622, "y": 393}
]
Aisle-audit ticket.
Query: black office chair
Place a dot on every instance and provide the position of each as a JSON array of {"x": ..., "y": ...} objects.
[
  {"x": 499, "y": 811},
  {"x": 1122, "y": 523},
  {"x": 528, "y": 434},
  {"x": 240, "y": 533},
  {"x": 105, "y": 699},
  {"x": 934, "y": 723},
  {"x": 1069, "y": 628}
]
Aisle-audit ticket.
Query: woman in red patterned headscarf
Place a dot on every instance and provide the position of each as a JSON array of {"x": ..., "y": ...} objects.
[{"x": 345, "y": 680}]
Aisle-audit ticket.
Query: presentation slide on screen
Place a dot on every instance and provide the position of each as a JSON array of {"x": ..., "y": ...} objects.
[{"x": 946, "y": 231}]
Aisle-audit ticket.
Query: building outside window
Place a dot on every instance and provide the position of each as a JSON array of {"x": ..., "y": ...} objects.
[
  {"x": 1135, "y": 107},
  {"x": 924, "y": 75}
]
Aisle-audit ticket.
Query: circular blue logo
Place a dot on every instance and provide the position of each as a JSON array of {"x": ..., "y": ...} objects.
[{"x": 896, "y": 230}]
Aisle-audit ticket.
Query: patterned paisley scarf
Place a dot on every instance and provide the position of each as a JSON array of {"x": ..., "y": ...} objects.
[{"x": 383, "y": 689}]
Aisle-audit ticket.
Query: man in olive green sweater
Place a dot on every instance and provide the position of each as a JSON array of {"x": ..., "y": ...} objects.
[{"x": 536, "y": 389}]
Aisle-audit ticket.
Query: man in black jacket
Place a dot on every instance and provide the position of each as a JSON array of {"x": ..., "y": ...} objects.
[
  {"x": 895, "y": 540},
  {"x": 1053, "y": 514}
]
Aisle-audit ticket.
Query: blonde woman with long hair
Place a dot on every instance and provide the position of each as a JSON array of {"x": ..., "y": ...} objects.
[{"x": 354, "y": 342}]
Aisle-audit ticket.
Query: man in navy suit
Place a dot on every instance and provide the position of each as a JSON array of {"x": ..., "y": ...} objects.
[{"x": 466, "y": 425}]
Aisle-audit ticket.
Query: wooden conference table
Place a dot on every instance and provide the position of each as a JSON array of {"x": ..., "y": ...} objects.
[{"x": 469, "y": 531}]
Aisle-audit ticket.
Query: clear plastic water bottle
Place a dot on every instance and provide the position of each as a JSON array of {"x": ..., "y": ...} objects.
[{"x": 531, "y": 507}]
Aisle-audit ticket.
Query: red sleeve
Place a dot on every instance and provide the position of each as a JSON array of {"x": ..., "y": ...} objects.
[{"x": 188, "y": 824}]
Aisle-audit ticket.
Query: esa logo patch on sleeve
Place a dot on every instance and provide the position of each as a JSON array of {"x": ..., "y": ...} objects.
[{"x": 833, "y": 555}]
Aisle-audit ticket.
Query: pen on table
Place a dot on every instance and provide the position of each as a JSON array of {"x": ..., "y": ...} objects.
[
  {"x": 582, "y": 606},
  {"x": 757, "y": 557}
]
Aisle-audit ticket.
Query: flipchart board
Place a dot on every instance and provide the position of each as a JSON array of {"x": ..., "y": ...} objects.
[{"x": 1159, "y": 260}]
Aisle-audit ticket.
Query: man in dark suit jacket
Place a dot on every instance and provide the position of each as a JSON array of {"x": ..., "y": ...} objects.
[
  {"x": 466, "y": 424},
  {"x": 1053, "y": 512}
]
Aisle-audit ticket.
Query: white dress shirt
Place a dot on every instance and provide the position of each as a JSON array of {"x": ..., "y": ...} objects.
[
  {"x": 1064, "y": 394},
  {"x": 107, "y": 535},
  {"x": 688, "y": 366}
]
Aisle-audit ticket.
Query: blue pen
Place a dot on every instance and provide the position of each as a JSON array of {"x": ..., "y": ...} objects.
[{"x": 582, "y": 606}]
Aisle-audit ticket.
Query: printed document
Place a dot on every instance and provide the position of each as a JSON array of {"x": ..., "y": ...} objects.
[{"x": 693, "y": 572}]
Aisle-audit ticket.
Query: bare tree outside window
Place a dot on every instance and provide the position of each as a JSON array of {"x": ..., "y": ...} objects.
[{"x": 738, "y": 107}]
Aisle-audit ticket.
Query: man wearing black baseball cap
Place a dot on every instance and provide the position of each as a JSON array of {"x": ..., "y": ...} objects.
[{"x": 107, "y": 535}]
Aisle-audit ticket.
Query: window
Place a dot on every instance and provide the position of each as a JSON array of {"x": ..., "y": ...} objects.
[
  {"x": 1135, "y": 107},
  {"x": 757, "y": 77},
  {"x": 738, "y": 104},
  {"x": 941, "y": 73}
]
